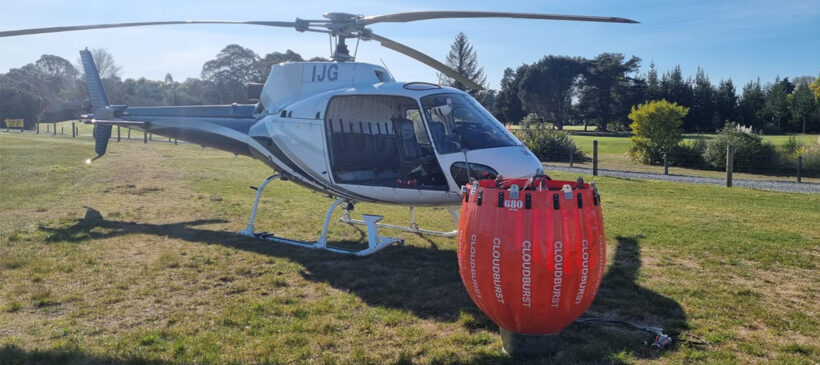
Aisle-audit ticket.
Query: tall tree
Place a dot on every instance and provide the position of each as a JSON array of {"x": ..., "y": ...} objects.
[
  {"x": 675, "y": 88},
  {"x": 57, "y": 72},
  {"x": 802, "y": 106},
  {"x": 751, "y": 105},
  {"x": 725, "y": 104},
  {"x": 777, "y": 104},
  {"x": 548, "y": 86},
  {"x": 20, "y": 100},
  {"x": 508, "y": 106},
  {"x": 603, "y": 85},
  {"x": 815, "y": 88},
  {"x": 462, "y": 58},
  {"x": 232, "y": 69},
  {"x": 653, "y": 84},
  {"x": 703, "y": 102}
]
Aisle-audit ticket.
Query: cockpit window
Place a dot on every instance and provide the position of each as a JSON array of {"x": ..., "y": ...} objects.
[{"x": 458, "y": 122}]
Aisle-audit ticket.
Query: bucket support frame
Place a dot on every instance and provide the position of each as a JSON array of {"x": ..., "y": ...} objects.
[
  {"x": 413, "y": 227},
  {"x": 375, "y": 242}
]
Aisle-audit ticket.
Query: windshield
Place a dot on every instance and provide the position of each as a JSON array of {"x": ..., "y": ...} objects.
[{"x": 457, "y": 122}]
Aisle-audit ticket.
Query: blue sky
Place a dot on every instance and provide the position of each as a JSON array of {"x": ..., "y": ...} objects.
[{"x": 742, "y": 40}]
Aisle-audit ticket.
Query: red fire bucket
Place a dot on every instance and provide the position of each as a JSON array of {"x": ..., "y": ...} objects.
[{"x": 531, "y": 254}]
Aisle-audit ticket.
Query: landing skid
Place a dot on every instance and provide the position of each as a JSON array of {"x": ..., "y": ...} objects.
[
  {"x": 413, "y": 227},
  {"x": 374, "y": 241}
]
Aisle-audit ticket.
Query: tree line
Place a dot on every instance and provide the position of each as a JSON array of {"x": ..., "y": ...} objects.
[
  {"x": 558, "y": 89},
  {"x": 601, "y": 91},
  {"x": 52, "y": 89}
]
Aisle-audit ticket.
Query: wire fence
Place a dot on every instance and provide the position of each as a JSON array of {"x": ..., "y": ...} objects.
[
  {"x": 610, "y": 154},
  {"x": 82, "y": 130},
  {"x": 597, "y": 154}
]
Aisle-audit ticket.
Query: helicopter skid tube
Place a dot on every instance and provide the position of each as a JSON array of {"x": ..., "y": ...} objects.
[
  {"x": 414, "y": 228},
  {"x": 374, "y": 241}
]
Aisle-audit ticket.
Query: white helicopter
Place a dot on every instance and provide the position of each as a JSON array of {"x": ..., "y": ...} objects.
[{"x": 344, "y": 128}]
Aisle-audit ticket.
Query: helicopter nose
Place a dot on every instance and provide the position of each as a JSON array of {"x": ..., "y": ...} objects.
[{"x": 510, "y": 162}]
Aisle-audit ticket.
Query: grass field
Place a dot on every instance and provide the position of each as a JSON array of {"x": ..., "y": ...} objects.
[
  {"x": 134, "y": 259},
  {"x": 612, "y": 154}
]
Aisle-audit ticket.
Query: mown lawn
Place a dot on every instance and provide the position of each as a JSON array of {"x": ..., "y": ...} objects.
[
  {"x": 134, "y": 259},
  {"x": 612, "y": 155}
]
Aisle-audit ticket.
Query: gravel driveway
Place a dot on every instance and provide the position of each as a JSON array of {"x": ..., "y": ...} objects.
[{"x": 754, "y": 184}]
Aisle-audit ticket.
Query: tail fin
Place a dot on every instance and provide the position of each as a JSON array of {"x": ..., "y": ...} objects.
[
  {"x": 92, "y": 79},
  {"x": 99, "y": 102}
]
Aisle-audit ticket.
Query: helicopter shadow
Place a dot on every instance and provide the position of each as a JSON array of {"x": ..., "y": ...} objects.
[{"x": 426, "y": 282}]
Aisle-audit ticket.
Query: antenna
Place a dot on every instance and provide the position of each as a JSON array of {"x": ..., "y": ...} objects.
[{"x": 388, "y": 70}]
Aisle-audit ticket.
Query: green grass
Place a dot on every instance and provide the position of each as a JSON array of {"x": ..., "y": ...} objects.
[
  {"x": 134, "y": 259},
  {"x": 612, "y": 154}
]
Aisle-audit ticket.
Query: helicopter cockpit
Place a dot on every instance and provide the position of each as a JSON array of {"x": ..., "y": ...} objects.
[{"x": 457, "y": 123}]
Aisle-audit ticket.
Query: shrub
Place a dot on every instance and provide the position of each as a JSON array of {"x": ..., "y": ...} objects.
[
  {"x": 792, "y": 147},
  {"x": 548, "y": 144},
  {"x": 811, "y": 161},
  {"x": 657, "y": 128},
  {"x": 751, "y": 153},
  {"x": 616, "y": 127},
  {"x": 687, "y": 154}
]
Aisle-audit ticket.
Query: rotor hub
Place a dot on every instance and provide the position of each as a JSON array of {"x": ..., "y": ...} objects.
[{"x": 340, "y": 17}]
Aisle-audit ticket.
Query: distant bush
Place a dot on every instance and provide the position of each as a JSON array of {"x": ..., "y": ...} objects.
[
  {"x": 616, "y": 127},
  {"x": 792, "y": 147},
  {"x": 687, "y": 154},
  {"x": 811, "y": 161},
  {"x": 811, "y": 157},
  {"x": 657, "y": 129},
  {"x": 546, "y": 143},
  {"x": 751, "y": 153}
]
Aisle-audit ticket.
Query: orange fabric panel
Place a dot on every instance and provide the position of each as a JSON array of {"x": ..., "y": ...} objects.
[{"x": 532, "y": 264}]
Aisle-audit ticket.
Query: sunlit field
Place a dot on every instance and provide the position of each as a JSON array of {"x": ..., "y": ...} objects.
[{"x": 134, "y": 258}]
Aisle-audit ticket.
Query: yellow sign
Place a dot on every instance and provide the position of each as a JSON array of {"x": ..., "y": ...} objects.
[{"x": 14, "y": 123}]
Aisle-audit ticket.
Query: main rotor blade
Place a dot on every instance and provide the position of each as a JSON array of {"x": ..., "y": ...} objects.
[
  {"x": 12, "y": 33},
  {"x": 425, "y": 15},
  {"x": 425, "y": 59}
]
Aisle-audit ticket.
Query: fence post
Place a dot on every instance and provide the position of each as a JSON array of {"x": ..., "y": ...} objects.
[
  {"x": 129, "y": 134},
  {"x": 37, "y": 127},
  {"x": 595, "y": 158},
  {"x": 571, "y": 157},
  {"x": 62, "y": 129},
  {"x": 151, "y": 137},
  {"x": 73, "y": 131},
  {"x": 118, "y": 133},
  {"x": 55, "y": 129},
  {"x": 175, "y": 141},
  {"x": 665, "y": 164},
  {"x": 730, "y": 164},
  {"x": 799, "y": 167},
  {"x": 145, "y": 137}
]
